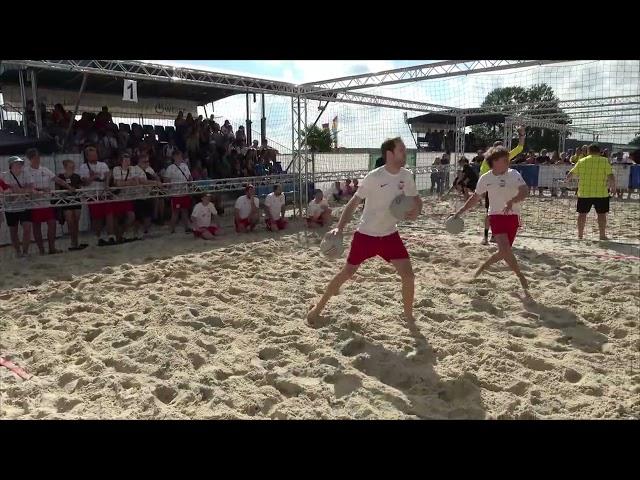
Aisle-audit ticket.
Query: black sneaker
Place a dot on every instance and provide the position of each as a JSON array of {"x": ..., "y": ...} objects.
[
  {"x": 102, "y": 242},
  {"x": 112, "y": 241}
]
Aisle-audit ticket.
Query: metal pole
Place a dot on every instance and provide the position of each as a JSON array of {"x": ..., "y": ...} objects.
[
  {"x": 248, "y": 121},
  {"x": 306, "y": 164},
  {"x": 34, "y": 93},
  {"x": 263, "y": 124},
  {"x": 75, "y": 110},
  {"x": 293, "y": 152},
  {"x": 23, "y": 97}
]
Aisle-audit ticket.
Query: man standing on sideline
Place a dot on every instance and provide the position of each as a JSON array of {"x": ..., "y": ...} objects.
[
  {"x": 594, "y": 176},
  {"x": 377, "y": 233},
  {"x": 274, "y": 208},
  {"x": 43, "y": 183},
  {"x": 95, "y": 175},
  {"x": 178, "y": 173},
  {"x": 18, "y": 182}
]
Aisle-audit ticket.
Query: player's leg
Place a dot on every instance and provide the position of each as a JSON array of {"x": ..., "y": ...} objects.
[
  {"x": 37, "y": 236},
  {"x": 26, "y": 237},
  {"x": 504, "y": 246},
  {"x": 332, "y": 289},
  {"x": 583, "y": 206},
  {"x": 51, "y": 235},
  {"x": 405, "y": 270},
  {"x": 602, "y": 209}
]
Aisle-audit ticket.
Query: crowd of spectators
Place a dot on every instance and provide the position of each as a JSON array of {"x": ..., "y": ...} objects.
[{"x": 211, "y": 150}]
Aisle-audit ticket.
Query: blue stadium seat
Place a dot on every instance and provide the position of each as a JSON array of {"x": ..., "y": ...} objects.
[{"x": 125, "y": 127}]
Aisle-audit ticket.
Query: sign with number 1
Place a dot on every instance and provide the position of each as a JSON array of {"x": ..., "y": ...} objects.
[{"x": 130, "y": 93}]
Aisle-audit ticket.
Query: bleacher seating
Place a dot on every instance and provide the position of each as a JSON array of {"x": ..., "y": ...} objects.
[
  {"x": 159, "y": 130},
  {"x": 12, "y": 126},
  {"x": 125, "y": 126},
  {"x": 148, "y": 130}
]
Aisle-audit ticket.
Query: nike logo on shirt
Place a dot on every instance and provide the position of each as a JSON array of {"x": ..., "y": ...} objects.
[{"x": 384, "y": 185}]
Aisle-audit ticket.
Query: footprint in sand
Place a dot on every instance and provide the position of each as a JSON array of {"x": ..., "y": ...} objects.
[
  {"x": 134, "y": 334},
  {"x": 209, "y": 347},
  {"x": 344, "y": 384},
  {"x": 165, "y": 394},
  {"x": 64, "y": 404},
  {"x": 92, "y": 335},
  {"x": 196, "y": 360},
  {"x": 269, "y": 353},
  {"x": 570, "y": 375}
]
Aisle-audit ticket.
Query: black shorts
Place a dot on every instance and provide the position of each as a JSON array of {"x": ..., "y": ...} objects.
[
  {"x": 13, "y": 218},
  {"x": 143, "y": 209},
  {"x": 584, "y": 205},
  {"x": 486, "y": 201}
]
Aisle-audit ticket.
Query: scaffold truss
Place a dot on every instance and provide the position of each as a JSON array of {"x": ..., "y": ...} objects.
[
  {"x": 61, "y": 198},
  {"x": 449, "y": 68}
]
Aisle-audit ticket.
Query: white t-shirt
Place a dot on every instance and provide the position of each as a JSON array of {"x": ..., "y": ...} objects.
[
  {"x": 101, "y": 170},
  {"x": 202, "y": 214},
  {"x": 24, "y": 180},
  {"x": 274, "y": 204},
  {"x": 178, "y": 174},
  {"x": 501, "y": 189},
  {"x": 42, "y": 180},
  {"x": 244, "y": 205},
  {"x": 315, "y": 209},
  {"x": 130, "y": 173},
  {"x": 379, "y": 188}
]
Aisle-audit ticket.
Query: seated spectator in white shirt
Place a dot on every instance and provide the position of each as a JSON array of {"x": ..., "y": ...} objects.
[
  {"x": 355, "y": 185},
  {"x": 318, "y": 213},
  {"x": 204, "y": 219},
  {"x": 125, "y": 175},
  {"x": 18, "y": 181},
  {"x": 43, "y": 184},
  {"x": 246, "y": 214},
  {"x": 274, "y": 208},
  {"x": 176, "y": 173}
]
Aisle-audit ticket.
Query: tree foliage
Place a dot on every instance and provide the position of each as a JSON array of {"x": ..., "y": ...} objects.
[
  {"x": 509, "y": 101},
  {"x": 318, "y": 139},
  {"x": 635, "y": 141}
]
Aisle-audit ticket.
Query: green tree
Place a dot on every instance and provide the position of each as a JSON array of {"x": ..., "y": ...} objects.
[
  {"x": 318, "y": 139},
  {"x": 511, "y": 101},
  {"x": 635, "y": 141}
]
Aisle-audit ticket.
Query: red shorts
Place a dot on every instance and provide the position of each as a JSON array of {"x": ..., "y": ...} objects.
[
  {"x": 363, "y": 247},
  {"x": 281, "y": 223},
  {"x": 507, "y": 224},
  {"x": 181, "y": 202},
  {"x": 314, "y": 221},
  {"x": 244, "y": 222},
  {"x": 42, "y": 214},
  {"x": 98, "y": 211},
  {"x": 199, "y": 231},
  {"x": 120, "y": 208}
]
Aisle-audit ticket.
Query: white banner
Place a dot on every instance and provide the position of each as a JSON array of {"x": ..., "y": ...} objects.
[
  {"x": 93, "y": 102},
  {"x": 130, "y": 92}
]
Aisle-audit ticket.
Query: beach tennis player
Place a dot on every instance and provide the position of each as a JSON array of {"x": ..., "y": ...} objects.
[
  {"x": 484, "y": 168},
  {"x": 506, "y": 189},
  {"x": 377, "y": 233}
]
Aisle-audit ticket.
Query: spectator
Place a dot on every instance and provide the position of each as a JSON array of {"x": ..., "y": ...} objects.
[
  {"x": 555, "y": 158},
  {"x": 543, "y": 158},
  {"x": 379, "y": 162},
  {"x": 227, "y": 130},
  {"x": 178, "y": 173},
  {"x": 204, "y": 219},
  {"x": 103, "y": 119},
  {"x": 18, "y": 182},
  {"x": 95, "y": 175},
  {"x": 355, "y": 185},
  {"x": 347, "y": 191},
  {"x": 337, "y": 192},
  {"x": 531, "y": 158},
  {"x": 436, "y": 177},
  {"x": 145, "y": 208},
  {"x": 247, "y": 215},
  {"x": 477, "y": 160},
  {"x": 125, "y": 175},
  {"x": 43, "y": 184},
  {"x": 107, "y": 146},
  {"x": 241, "y": 137},
  {"x": 274, "y": 208},
  {"x": 594, "y": 176},
  {"x": 319, "y": 213},
  {"x": 71, "y": 182}
]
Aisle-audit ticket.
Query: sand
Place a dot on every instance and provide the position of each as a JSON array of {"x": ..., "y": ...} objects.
[{"x": 174, "y": 328}]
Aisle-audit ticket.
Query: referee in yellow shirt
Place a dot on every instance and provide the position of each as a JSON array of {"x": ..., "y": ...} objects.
[
  {"x": 484, "y": 168},
  {"x": 594, "y": 176}
]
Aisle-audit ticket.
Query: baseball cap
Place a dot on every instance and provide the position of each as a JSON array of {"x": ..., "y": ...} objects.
[{"x": 13, "y": 160}]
